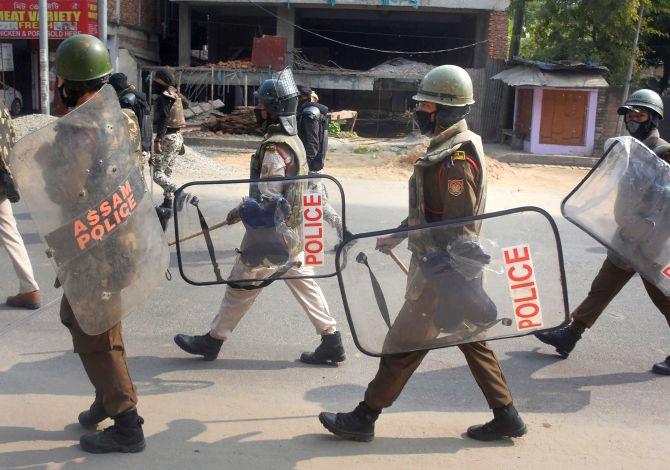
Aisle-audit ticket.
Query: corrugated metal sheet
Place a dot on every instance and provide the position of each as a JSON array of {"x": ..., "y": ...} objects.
[{"x": 524, "y": 75}]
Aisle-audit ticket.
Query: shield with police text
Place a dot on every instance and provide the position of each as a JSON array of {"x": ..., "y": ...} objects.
[
  {"x": 624, "y": 203},
  {"x": 493, "y": 276},
  {"x": 248, "y": 233},
  {"x": 86, "y": 194}
]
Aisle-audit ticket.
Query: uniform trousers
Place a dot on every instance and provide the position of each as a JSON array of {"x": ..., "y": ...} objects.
[
  {"x": 105, "y": 362},
  {"x": 607, "y": 284},
  {"x": 237, "y": 302},
  {"x": 413, "y": 328},
  {"x": 13, "y": 243},
  {"x": 171, "y": 145}
]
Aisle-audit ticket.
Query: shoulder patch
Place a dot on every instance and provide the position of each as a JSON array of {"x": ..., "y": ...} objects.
[
  {"x": 458, "y": 155},
  {"x": 456, "y": 186},
  {"x": 271, "y": 147}
]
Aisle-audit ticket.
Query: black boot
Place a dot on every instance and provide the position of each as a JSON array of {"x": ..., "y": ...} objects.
[
  {"x": 662, "y": 368},
  {"x": 506, "y": 422},
  {"x": 125, "y": 436},
  {"x": 204, "y": 345},
  {"x": 359, "y": 425},
  {"x": 330, "y": 351},
  {"x": 95, "y": 414},
  {"x": 564, "y": 340}
]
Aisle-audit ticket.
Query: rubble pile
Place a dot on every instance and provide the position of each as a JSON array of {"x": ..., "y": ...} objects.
[
  {"x": 240, "y": 121},
  {"x": 233, "y": 64}
]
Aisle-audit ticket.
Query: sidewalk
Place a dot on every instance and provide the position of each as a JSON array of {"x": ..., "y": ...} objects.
[{"x": 504, "y": 153}]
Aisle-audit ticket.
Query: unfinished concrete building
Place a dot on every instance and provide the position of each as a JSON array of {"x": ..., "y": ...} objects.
[{"x": 319, "y": 39}]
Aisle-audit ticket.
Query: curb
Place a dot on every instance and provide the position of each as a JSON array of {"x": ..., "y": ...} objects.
[
  {"x": 534, "y": 159},
  {"x": 217, "y": 142}
]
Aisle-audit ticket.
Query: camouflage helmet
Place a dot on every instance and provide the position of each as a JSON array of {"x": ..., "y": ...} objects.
[
  {"x": 644, "y": 98},
  {"x": 82, "y": 58},
  {"x": 448, "y": 85}
]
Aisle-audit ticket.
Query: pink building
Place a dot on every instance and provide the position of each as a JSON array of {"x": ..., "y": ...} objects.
[{"x": 556, "y": 106}]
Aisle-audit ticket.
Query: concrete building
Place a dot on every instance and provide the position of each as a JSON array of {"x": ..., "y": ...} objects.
[{"x": 319, "y": 35}]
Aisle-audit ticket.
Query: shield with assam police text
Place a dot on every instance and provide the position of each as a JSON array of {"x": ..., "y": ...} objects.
[
  {"x": 493, "y": 276},
  {"x": 86, "y": 194}
]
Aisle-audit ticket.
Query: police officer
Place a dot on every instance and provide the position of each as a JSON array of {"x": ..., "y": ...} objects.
[
  {"x": 642, "y": 111},
  {"x": 29, "y": 294},
  {"x": 313, "y": 132},
  {"x": 82, "y": 69},
  {"x": 168, "y": 122},
  {"x": 131, "y": 98},
  {"x": 448, "y": 182},
  {"x": 281, "y": 154}
]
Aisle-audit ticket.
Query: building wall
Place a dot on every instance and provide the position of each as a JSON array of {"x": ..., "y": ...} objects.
[{"x": 534, "y": 145}]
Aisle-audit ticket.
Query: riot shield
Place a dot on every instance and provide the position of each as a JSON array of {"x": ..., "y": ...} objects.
[
  {"x": 494, "y": 276},
  {"x": 248, "y": 233},
  {"x": 86, "y": 194},
  {"x": 623, "y": 203}
]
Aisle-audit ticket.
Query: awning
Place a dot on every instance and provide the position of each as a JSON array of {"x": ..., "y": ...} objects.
[{"x": 524, "y": 75}]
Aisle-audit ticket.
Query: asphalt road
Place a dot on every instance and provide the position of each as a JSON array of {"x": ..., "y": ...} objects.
[{"x": 256, "y": 407}]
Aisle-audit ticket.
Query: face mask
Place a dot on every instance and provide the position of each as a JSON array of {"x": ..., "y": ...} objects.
[
  {"x": 639, "y": 130},
  {"x": 425, "y": 121},
  {"x": 69, "y": 101},
  {"x": 447, "y": 116},
  {"x": 260, "y": 122},
  {"x": 160, "y": 87}
]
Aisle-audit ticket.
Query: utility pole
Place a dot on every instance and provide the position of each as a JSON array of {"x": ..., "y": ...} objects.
[
  {"x": 44, "y": 57},
  {"x": 629, "y": 74},
  {"x": 102, "y": 21}
]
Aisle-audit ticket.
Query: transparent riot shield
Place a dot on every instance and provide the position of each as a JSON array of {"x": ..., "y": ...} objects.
[
  {"x": 481, "y": 278},
  {"x": 624, "y": 204},
  {"x": 86, "y": 194},
  {"x": 248, "y": 233}
]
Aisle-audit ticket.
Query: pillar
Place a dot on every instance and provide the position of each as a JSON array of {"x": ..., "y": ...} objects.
[
  {"x": 286, "y": 29},
  {"x": 184, "y": 35}
]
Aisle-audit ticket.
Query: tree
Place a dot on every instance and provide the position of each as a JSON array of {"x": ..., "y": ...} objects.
[
  {"x": 592, "y": 31},
  {"x": 655, "y": 42}
]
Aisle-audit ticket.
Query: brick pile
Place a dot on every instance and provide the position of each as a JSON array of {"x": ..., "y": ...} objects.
[{"x": 240, "y": 121}]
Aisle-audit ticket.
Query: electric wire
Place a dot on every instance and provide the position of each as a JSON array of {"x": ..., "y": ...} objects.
[{"x": 356, "y": 46}]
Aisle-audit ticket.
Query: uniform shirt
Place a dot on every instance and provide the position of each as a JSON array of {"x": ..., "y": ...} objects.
[{"x": 278, "y": 162}]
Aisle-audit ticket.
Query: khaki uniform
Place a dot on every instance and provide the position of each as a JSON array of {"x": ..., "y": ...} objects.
[
  {"x": 612, "y": 277},
  {"x": 448, "y": 182},
  {"x": 10, "y": 237},
  {"x": 104, "y": 356},
  {"x": 278, "y": 156}
]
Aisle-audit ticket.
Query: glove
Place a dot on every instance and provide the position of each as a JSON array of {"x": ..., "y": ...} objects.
[{"x": 233, "y": 216}]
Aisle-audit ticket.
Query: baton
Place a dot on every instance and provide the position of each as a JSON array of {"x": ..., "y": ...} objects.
[
  {"x": 398, "y": 261},
  {"x": 193, "y": 235}
]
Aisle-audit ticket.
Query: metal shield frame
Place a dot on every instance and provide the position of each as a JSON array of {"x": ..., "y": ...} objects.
[
  {"x": 456, "y": 222},
  {"x": 184, "y": 188}
]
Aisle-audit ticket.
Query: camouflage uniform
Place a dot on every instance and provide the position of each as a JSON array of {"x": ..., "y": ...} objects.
[{"x": 172, "y": 142}]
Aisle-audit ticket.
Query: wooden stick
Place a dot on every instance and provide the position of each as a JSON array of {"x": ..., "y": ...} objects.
[
  {"x": 398, "y": 261},
  {"x": 193, "y": 235}
]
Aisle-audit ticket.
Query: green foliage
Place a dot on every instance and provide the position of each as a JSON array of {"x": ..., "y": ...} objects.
[
  {"x": 591, "y": 31},
  {"x": 335, "y": 130},
  {"x": 334, "y": 127}
]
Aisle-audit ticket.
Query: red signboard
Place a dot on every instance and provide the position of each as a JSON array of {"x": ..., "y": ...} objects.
[{"x": 19, "y": 19}]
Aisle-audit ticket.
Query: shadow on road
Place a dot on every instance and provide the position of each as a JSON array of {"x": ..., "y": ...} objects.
[
  {"x": 178, "y": 447},
  {"x": 454, "y": 389},
  {"x": 64, "y": 374}
]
